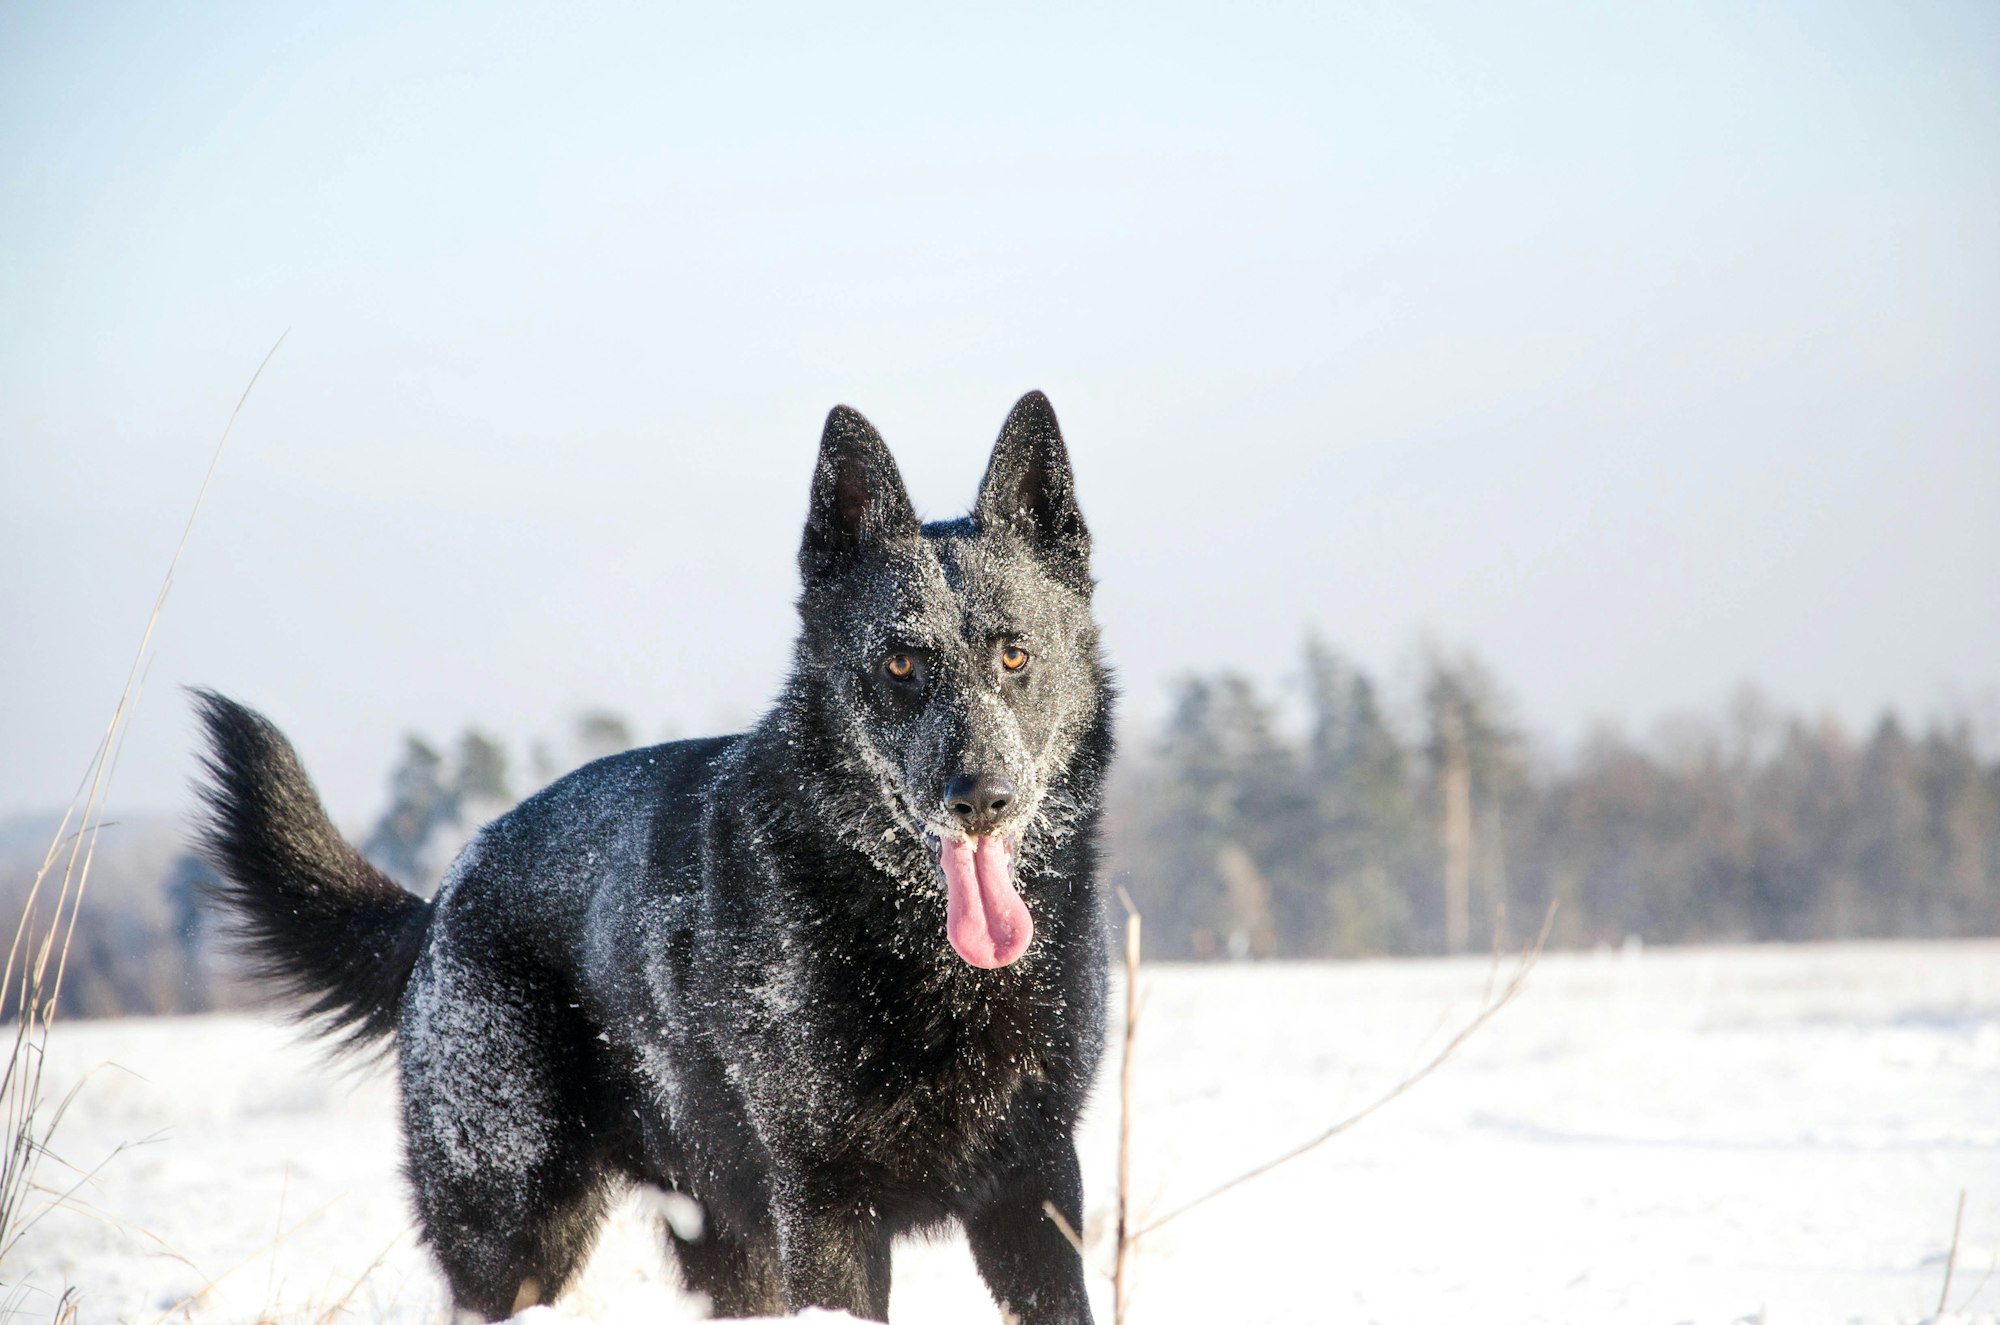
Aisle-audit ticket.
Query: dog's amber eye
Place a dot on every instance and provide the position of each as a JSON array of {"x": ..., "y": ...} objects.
[
  {"x": 1013, "y": 657},
  {"x": 899, "y": 665}
]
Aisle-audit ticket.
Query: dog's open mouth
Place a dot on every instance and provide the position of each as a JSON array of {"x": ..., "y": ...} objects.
[{"x": 985, "y": 918}]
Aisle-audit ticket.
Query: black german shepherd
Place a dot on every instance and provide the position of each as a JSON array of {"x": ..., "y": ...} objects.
[{"x": 837, "y": 978}]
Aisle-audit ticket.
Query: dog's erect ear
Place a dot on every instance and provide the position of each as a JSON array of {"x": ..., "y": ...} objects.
[
  {"x": 1028, "y": 489},
  {"x": 857, "y": 496}
]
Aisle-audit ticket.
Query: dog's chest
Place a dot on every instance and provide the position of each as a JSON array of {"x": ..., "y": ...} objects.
[{"x": 928, "y": 1085}]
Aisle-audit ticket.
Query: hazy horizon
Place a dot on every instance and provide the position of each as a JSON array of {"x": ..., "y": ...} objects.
[{"x": 1642, "y": 353}]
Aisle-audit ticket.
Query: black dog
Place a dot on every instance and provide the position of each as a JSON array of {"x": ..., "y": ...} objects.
[{"x": 837, "y": 978}]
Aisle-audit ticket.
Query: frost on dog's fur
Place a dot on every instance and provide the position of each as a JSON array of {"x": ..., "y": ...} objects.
[{"x": 720, "y": 967}]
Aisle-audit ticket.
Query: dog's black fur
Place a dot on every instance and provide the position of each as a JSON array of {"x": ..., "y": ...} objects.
[{"x": 720, "y": 966}]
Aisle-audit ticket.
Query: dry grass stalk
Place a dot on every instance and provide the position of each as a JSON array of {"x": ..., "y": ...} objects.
[
  {"x": 37, "y": 957},
  {"x": 194, "y": 1299},
  {"x": 1951, "y": 1257},
  {"x": 338, "y": 1306}
]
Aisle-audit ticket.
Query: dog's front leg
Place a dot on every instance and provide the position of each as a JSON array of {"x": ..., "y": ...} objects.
[
  {"x": 1024, "y": 1257},
  {"x": 832, "y": 1255}
]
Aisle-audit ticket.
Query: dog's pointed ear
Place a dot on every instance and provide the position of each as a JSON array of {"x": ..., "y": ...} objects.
[
  {"x": 857, "y": 496},
  {"x": 1028, "y": 489}
]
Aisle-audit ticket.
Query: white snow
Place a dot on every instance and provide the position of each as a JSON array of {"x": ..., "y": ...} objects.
[{"x": 1774, "y": 1134}]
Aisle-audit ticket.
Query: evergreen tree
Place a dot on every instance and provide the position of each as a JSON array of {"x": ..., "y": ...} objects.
[
  {"x": 1475, "y": 783},
  {"x": 419, "y": 804},
  {"x": 600, "y": 732},
  {"x": 1366, "y": 821}
]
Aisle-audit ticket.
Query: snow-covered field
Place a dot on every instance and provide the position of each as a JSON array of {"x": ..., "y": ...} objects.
[{"x": 1774, "y": 1134}]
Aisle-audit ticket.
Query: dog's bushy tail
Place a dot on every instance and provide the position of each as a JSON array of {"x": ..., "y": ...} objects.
[{"x": 325, "y": 928}]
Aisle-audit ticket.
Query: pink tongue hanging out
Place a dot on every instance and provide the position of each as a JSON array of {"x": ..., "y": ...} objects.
[{"x": 988, "y": 922}]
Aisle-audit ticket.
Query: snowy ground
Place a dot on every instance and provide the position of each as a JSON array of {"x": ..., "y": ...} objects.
[{"x": 1775, "y": 1134}]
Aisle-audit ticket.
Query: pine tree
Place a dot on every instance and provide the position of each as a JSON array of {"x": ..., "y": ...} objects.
[{"x": 419, "y": 804}]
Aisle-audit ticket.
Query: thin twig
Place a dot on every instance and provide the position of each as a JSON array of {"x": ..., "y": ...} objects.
[
  {"x": 339, "y": 1305},
  {"x": 1119, "y": 1279},
  {"x": 1992, "y": 1261},
  {"x": 99, "y": 777},
  {"x": 1951, "y": 1258},
  {"x": 202, "y": 1292},
  {"x": 1529, "y": 956},
  {"x": 66, "y": 1199},
  {"x": 96, "y": 828},
  {"x": 1499, "y": 947},
  {"x": 278, "y": 1229},
  {"x": 11, "y": 1305},
  {"x": 1062, "y": 1226}
]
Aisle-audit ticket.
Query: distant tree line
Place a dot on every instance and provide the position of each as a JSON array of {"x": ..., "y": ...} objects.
[
  {"x": 1252, "y": 827},
  {"x": 1318, "y": 818}
]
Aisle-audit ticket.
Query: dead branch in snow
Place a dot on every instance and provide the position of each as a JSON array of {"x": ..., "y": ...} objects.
[
  {"x": 1125, "y": 1235},
  {"x": 1488, "y": 1010},
  {"x": 1951, "y": 1257}
]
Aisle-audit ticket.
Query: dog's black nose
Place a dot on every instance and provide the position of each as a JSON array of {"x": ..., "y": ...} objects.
[{"x": 977, "y": 800}]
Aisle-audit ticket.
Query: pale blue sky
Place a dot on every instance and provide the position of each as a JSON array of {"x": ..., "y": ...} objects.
[{"x": 1643, "y": 349}]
